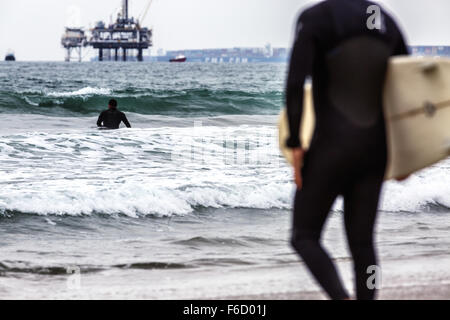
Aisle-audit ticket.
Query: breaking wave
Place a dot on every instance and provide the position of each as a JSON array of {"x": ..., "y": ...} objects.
[{"x": 189, "y": 102}]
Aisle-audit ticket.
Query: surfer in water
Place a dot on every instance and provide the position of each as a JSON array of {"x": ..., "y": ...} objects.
[
  {"x": 346, "y": 59},
  {"x": 112, "y": 117}
]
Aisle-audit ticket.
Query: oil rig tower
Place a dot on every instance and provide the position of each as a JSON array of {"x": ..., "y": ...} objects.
[
  {"x": 73, "y": 39},
  {"x": 116, "y": 40}
]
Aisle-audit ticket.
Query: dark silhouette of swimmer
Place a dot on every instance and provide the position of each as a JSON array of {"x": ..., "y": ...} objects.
[
  {"x": 346, "y": 58},
  {"x": 112, "y": 117}
]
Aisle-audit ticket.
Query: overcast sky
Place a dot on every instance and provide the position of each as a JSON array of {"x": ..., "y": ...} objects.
[{"x": 33, "y": 28}]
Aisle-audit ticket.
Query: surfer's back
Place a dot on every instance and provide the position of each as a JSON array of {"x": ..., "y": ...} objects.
[
  {"x": 347, "y": 60},
  {"x": 111, "y": 118}
]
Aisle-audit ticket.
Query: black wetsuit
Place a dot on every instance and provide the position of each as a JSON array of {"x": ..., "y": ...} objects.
[
  {"x": 347, "y": 63},
  {"x": 112, "y": 118}
]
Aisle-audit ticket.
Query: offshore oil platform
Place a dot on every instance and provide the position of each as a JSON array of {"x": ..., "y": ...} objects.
[
  {"x": 73, "y": 39},
  {"x": 113, "y": 41}
]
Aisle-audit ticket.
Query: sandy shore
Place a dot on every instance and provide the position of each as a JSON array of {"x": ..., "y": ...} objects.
[
  {"x": 416, "y": 278},
  {"x": 419, "y": 292},
  {"x": 424, "y": 278}
]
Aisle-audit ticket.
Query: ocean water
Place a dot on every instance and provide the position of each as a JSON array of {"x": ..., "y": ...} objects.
[{"x": 191, "y": 202}]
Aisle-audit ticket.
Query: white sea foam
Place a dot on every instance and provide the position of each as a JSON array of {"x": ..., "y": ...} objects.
[
  {"x": 82, "y": 92},
  {"x": 136, "y": 200},
  {"x": 133, "y": 172},
  {"x": 429, "y": 186}
]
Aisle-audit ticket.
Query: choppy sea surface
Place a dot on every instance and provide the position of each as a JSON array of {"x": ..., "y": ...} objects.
[{"x": 196, "y": 186}]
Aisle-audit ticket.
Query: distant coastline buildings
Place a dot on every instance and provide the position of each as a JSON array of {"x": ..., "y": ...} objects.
[
  {"x": 430, "y": 50},
  {"x": 264, "y": 55},
  {"x": 267, "y": 54},
  {"x": 230, "y": 55}
]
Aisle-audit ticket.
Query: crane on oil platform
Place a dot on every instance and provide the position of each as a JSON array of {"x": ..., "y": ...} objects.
[{"x": 144, "y": 13}]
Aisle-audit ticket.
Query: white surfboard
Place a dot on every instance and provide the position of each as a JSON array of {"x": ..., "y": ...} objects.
[{"x": 416, "y": 110}]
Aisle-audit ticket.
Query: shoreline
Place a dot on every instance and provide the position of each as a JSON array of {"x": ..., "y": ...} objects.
[
  {"x": 413, "y": 292},
  {"x": 415, "y": 278}
]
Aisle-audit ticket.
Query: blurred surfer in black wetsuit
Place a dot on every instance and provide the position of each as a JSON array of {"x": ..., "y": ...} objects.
[
  {"x": 344, "y": 47},
  {"x": 112, "y": 117}
]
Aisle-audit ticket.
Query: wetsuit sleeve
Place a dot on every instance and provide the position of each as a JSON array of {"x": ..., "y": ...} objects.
[
  {"x": 300, "y": 67},
  {"x": 100, "y": 120},
  {"x": 125, "y": 120}
]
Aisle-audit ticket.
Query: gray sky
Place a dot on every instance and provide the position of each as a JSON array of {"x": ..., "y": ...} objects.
[{"x": 33, "y": 28}]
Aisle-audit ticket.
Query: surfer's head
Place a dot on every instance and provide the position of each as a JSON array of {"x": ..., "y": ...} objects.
[{"x": 112, "y": 104}]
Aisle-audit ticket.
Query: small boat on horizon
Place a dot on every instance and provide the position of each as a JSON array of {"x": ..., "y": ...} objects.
[
  {"x": 10, "y": 57},
  {"x": 179, "y": 58}
]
